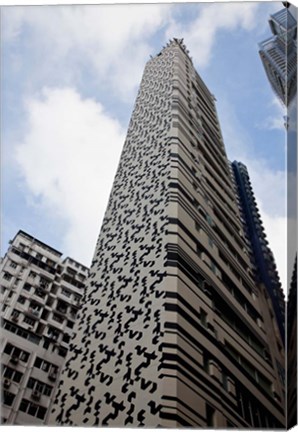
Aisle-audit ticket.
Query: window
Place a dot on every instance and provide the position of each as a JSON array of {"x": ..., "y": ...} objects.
[
  {"x": 21, "y": 332},
  {"x": 58, "y": 318},
  {"x": 53, "y": 333},
  {"x": 62, "y": 352},
  {"x": 66, "y": 338},
  {"x": 29, "y": 321},
  {"x": 65, "y": 292},
  {"x": 13, "y": 264},
  {"x": 8, "y": 398},
  {"x": 7, "y": 276},
  {"x": 11, "y": 374},
  {"x": 210, "y": 415},
  {"x": 32, "y": 274},
  {"x": 44, "y": 283},
  {"x": 27, "y": 287},
  {"x": 45, "y": 365},
  {"x": 69, "y": 324},
  {"x": 40, "y": 293},
  {"x": 21, "y": 299},
  {"x": 39, "y": 386},
  {"x": 15, "y": 313},
  {"x": 16, "y": 352},
  {"x": 203, "y": 317},
  {"x": 32, "y": 409}
]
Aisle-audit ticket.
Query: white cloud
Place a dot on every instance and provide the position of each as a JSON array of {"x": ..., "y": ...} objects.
[
  {"x": 68, "y": 159},
  {"x": 200, "y": 35},
  {"x": 109, "y": 39},
  {"x": 275, "y": 120}
]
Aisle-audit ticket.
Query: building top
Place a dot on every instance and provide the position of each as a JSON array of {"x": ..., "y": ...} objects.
[
  {"x": 66, "y": 260},
  {"x": 282, "y": 21},
  {"x": 35, "y": 240}
]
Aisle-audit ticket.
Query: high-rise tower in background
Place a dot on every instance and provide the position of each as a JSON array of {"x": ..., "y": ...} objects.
[
  {"x": 279, "y": 55},
  {"x": 266, "y": 272},
  {"x": 40, "y": 299},
  {"x": 174, "y": 330}
]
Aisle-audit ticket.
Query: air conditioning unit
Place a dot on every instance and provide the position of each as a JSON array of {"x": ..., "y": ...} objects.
[
  {"x": 14, "y": 360},
  {"x": 35, "y": 395},
  {"x": 6, "y": 383}
]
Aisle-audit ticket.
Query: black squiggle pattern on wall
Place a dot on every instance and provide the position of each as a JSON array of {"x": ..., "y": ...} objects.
[{"x": 111, "y": 377}]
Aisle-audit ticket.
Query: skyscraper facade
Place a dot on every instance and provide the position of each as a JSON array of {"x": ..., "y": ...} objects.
[
  {"x": 279, "y": 55},
  {"x": 174, "y": 330},
  {"x": 40, "y": 299}
]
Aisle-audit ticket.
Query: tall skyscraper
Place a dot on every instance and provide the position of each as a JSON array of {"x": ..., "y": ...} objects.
[
  {"x": 279, "y": 55},
  {"x": 40, "y": 299},
  {"x": 266, "y": 271},
  {"x": 174, "y": 330}
]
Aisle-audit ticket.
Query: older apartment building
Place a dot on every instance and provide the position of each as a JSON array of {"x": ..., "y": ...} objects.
[
  {"x": 41, "y": 295},
  {"x": 174, "y": 328}
]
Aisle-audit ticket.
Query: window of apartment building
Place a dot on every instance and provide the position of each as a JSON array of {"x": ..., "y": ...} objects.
[
  {"x": 29, "y": 321},
  {"x": 73, "y": 313},
  {"x": 13, "y": 264},
  {"x": 21, "y": 332},
  {"x": 16, "y": 352},
  {"x": 32, "y": 274},
  {"x": 50, "y": 262},
  {"x": 11, "y": 374},
  {"x": 21, "y": 246},
  {"x": 58, "y": 318},
  {"x": 7, "y": 398},
  {"x": 44, "y": 283},
  {"x": 65, "y": 292},
  {"x": 21, "y": 299},
  {"x": 27, "y": 287},
  {"x": 61, "y": 307},
  {"x": 66, "y": 338},
  {"x": 39, "y": 386},
  {"x": 32, "y": 409},
  {"x": 210, "y": 416},
  {"x": 77, "y": 298},
  {"x": 39, "y": 256},
  {"x": 53, "y": 333},
  {"x": 3, "y": 289},
  {"x": 203, "y": 317},
  {"x": 69, "y": 324},
  {"x": 4, "y": 307},
  {"x": 7, "y": 276},
  {"x": 62, "y": 352},
  {"x": 15, "y": 314},
  {"x": 45, "y": 365},
  {"x": 40, "y": 293},
  {"x": 35, "y": 306}
]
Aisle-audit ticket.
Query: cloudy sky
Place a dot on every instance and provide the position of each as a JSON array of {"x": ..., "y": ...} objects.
[{"x": 69, "y": 80}]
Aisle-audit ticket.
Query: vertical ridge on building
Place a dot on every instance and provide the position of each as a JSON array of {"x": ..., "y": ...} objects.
[{"x": 174, "y": 331}]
